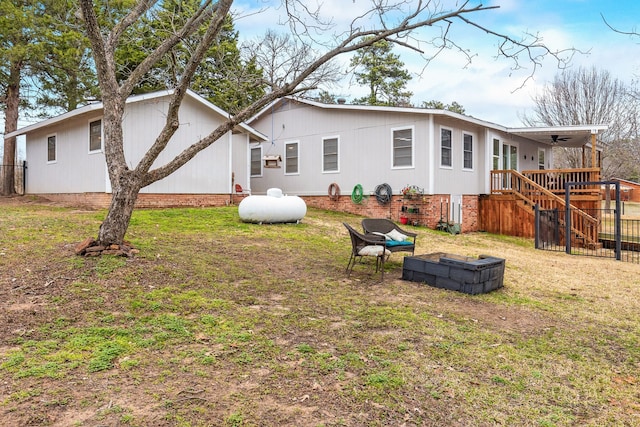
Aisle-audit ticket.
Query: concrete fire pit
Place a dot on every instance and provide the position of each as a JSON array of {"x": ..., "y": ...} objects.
[{"x": 454, "y": 272}]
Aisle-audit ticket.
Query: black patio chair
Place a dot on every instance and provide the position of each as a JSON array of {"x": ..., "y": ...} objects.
[
  {"x": 381, "y": 226},
  {"x": 362, "y": 246}
]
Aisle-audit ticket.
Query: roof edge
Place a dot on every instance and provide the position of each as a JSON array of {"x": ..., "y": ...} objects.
[
  {"x": 97, "y": 106},
  {"x": 354, "y": 107}
]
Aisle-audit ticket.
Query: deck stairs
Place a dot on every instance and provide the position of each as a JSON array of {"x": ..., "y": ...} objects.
[{"x": 584, "y": 227}]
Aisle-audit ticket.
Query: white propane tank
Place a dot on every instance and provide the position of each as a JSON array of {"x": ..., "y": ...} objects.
[{"x": 272, "y": 208}]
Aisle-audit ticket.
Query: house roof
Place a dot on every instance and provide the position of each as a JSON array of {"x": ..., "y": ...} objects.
[
  {"x": 78, "y": 112},
  {"x": 561, "y": 136},
  {"x": 627, "y": 184}
]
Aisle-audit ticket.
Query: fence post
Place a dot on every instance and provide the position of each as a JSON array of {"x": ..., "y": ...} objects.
[
  {"x": 24, "y": 177},
  {"x": 567, "y": 216},
  {"x": 536, "y": 226},
  {"x": 618, "y": 230}
]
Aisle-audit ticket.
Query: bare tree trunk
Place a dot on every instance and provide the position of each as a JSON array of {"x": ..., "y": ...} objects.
[
  {"x": 12, "y": 104},
  {"x": 114, "y": 227}
]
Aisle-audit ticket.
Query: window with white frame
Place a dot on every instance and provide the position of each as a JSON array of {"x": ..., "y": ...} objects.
[
  {"x": 540, "y": 158},
  {"x": 513, "y": 152},
  {"x": 256, "y": 161},
  {"x": 445, "y": 147},
  {"x": 52, "y": 149},
  {"x": 467, "y": 151},
  {"x": 496, "y": 154},
  {"x": 291, "y": 158},
  {"x": 330, "y": 158},
  {"x": 402, "y": 147},
  {"x": 509, "y": 157},
  {"x": 95, "y": 136}
]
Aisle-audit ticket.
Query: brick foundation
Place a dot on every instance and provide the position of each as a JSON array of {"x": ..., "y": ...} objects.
[
  {"x": 145, "y": 200},
  {"x": 429, "y": 206}
]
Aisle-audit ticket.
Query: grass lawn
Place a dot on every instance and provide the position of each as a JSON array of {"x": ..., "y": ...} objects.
[{"x": 220, "y": 323}]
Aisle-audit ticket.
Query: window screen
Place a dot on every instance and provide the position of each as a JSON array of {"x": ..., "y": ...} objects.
[
  {"x": 403, "y": 147},
  {"x": 95, "y": 135},
  {"x": 445, "y": 147},
  {"x": 291, "y": 158}
]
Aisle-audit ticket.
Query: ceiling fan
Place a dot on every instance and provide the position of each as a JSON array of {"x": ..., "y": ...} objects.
[{"x": 557, "y": 138}]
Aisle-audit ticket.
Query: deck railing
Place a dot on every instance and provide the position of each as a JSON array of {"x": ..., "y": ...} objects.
[
  {"x": 554, "y": 180},
  {"x": 583, "y": 225}
]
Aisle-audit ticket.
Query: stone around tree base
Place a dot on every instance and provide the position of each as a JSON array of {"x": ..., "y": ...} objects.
[{"x": 90, "y": 248}]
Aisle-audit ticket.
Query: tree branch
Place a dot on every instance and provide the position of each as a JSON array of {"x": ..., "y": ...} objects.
[
  {"x": 205, "y": 12},
  {"x": 172, "y": 123},
  {"x": 353, "y": 40}
]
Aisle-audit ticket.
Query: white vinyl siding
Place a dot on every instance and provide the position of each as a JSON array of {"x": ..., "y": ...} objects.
[
  {"x": 52, "y": 149},
  {"x": 445, "y": 148},
  {"x": 467, "y": 151},
  {"x": 256, "y": 161},
  {"x": 330, "y": 154},
  {"x": 291, "y": 158},
  {"x": 402, "y": 147},
  {"x": 95, "y": 136}
]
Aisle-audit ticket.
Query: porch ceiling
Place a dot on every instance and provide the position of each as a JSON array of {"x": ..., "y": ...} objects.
[{"x": 560, "y": 136}]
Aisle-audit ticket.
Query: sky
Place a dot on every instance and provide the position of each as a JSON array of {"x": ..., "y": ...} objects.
[{"x": 488, "y": 88}]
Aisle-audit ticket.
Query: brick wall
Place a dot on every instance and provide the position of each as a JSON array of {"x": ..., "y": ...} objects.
[
  {"x": 145, "y": 200},
  {"x": 430, "y": 207},
  {"x": 470, "y": 215}
]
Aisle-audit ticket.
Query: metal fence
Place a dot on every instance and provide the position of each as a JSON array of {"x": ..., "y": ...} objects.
[
  {"x": 19, "y": 177},
  {"x": 618, "y": 234}
]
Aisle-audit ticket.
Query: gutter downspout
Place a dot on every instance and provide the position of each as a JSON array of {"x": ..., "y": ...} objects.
[
  {"x": 594, "y": 151},
  {"x": 230, "y": 165},
  {"x": 488, "y": 160},
  {"x": 431, "y": 149},
  {"x": 247, "y": 149}
]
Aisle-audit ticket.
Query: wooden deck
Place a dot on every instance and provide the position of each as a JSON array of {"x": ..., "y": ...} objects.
[{"x": 509, "y": 209}]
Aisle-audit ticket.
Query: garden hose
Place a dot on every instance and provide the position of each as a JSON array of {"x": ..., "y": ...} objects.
[
  {"x": 334, "y": 192},
  {"x": 356, "y": 194},
  {"x": 383, "y": 193}
]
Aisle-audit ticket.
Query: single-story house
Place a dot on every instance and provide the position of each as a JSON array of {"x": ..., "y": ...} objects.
[
  {"x": 347, "y": 157},
  {"x": 629, "y": 190},
  {"x": 66, "y": 161}
]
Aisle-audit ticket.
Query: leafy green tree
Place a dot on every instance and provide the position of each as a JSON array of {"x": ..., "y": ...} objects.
[
  {"x": 43, "y": 48},
  {"x": 326, "y": 97},
  {"x": 65, "y": 75},
  {"x": 20, "y": 26},
  {"x": 439, "y": 105},
  {"x": 384, "y": 75},
  {"x": 227, "y": 79},
  {"x": 224, "y": 76}
]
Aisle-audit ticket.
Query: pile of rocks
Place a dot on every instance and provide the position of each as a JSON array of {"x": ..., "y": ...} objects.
[{"x": 89, "y": 247}]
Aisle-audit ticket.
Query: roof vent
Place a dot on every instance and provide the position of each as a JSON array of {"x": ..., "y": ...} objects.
[{"x": 341, "y": 101}]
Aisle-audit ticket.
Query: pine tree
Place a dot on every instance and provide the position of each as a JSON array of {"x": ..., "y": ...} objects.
[{"x": 384, "y": 74}]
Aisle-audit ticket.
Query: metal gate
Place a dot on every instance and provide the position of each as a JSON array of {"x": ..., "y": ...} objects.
[
  {"x": 618, "y": 235},
  {"x": 19, "y": 180}
]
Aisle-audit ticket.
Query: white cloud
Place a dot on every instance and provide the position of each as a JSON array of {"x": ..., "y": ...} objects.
[{"x": 488, "y": 88}]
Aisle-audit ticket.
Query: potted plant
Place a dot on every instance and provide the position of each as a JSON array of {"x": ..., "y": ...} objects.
[{"x": 411, "y": 191}]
